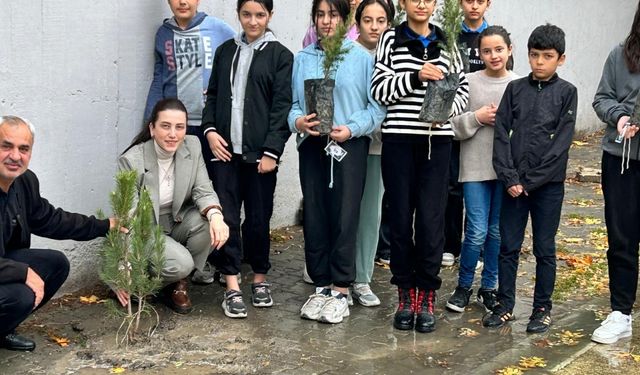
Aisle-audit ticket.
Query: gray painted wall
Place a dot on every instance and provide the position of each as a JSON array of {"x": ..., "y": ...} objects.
[{"x": 80, "y": 71}]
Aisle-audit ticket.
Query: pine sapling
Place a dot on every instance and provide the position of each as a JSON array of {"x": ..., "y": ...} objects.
[
  {"x": 450, "y": 17},
  {"x": 132, "y": 261},
  {"x": 334, "y": 50}
]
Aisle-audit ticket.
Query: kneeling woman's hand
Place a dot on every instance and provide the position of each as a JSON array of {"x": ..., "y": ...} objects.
[{"x": 219, "y": 231}]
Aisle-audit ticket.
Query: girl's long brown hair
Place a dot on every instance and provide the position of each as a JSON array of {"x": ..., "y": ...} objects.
[{"x": 632, "y": 45}]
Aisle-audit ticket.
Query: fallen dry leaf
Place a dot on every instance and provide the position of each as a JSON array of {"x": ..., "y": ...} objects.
[
  {"x": 572, "y": 240},
  {"x": 630, "y": 356},
  {"x": 116, "y": 370},
  {"x": 474, "y": 321},
  {"x": 570, "y": 338},
  {"x": 532, "y": 362},
  {"x": 580, "y": 202},
  {"x": 91, "y": 300},
  {"x": 62, "y": 341},
  {"x": 579, "y": 143},
  {"x": 467, "y": 332},
  {"x": 543, "y": 343},
  {"x": 511, "y": 370}
]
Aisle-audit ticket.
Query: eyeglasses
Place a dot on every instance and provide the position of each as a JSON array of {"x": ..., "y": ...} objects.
[
  {"x": 425, "y": 2},
  {"x": 479, "y": 2}
]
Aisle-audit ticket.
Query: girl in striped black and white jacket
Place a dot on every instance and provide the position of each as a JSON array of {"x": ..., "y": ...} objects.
[{"x": 415, "y": 157}]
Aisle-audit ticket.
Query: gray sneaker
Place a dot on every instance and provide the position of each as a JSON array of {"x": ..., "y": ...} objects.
[
  {"x": 204, "y": 276},
  {"x": 233, "y": 305},
  {"x": 311, "y": 309},
  {"x": 261, "y": 295},
  {"x": 363, "y": 294}
]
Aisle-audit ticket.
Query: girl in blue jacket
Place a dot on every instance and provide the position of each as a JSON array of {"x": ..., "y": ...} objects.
[{"x": 332, "y": 189}]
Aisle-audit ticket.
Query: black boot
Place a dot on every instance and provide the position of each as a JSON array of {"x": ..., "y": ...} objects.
[
  {"x": 425, "y": 305},
  {"x": 403, "y": 318}
]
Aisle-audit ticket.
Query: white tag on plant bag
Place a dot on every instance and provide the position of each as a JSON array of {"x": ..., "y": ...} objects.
[{"x": 335, "y": 151}]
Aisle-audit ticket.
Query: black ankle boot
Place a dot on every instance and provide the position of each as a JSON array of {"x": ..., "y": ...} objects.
[
  {"x": 403, "y": 318},
  {"x": 425, "y": 305}
]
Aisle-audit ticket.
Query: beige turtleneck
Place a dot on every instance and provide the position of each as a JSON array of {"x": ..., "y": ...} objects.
[{"x": 166, "y": 178}]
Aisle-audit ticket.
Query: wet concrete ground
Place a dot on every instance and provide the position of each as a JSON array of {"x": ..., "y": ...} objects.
[{"x": 276, "y": 340}]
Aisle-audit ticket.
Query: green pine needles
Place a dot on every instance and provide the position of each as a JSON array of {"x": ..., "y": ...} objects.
[
  {"x": 400, "y": 16},
  {"x": 334, "y": 50},
  {"x": 133, "y": 261},
  {"x": 450, "y": 18}
]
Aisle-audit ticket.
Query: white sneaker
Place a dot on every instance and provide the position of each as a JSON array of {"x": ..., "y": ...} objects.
[
  {"x": 616, "y": 326},
  {"x": 305, "y": 276},
  {"x": 311, "y": 309},
  {"x": 363, "y": 294},
  {"x": 335, "y": 309},
  {"x": 448, "y": 259}
]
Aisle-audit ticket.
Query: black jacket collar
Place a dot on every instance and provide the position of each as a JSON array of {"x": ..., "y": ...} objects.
[
  {"x": 403, "y": 39},
  {"x": 542, "y": 84}
]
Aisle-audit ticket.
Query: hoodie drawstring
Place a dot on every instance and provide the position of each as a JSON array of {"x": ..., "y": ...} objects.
[
  {"x": 430, "y": 134},
  {"x": 332, "y": 160},
  {"x": 626, "y": 146}
]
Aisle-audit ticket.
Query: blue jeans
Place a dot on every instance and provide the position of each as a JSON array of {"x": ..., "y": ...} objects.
[{"x": 482, "y": 201}]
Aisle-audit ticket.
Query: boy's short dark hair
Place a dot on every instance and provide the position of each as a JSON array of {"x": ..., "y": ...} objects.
[{"x": 547, "y": 37}]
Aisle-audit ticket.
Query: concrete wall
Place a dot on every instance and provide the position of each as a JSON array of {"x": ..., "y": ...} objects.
[{"x": 80, "y": 71}]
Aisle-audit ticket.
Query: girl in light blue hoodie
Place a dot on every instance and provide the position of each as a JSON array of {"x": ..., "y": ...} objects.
[{"x": 332, "y": 189}]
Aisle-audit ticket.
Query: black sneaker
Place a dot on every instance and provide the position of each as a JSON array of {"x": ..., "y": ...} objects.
[
  {"x": 403, "y": 319},
  {"x": 425, "y": 306},
  {"x": 487, "y": 298},
  {"x": 233, "y": 305},
  {"x": 459, "y": 299},
  {"x": 261, "y": 295},
  {"x": 539, "y": 321},
  {"x": 497, "y": 317}
]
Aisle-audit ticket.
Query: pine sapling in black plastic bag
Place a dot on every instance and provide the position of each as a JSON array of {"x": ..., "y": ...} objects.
[
  {"x": 439, "y": 96},
  {"x": 318, "y": 93}
]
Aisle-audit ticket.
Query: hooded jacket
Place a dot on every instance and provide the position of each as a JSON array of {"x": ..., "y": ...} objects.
[
  {"x": 533, "y": 131},
  {"x": 266, "y": 96},
  {"x": 353, "y": 105},
  {"x": 183, "y": 62},
  {"x": 616, "y": 96}
]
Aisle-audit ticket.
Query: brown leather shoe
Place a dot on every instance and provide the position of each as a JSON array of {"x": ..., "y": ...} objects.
[{"x": 177, "y": 298}]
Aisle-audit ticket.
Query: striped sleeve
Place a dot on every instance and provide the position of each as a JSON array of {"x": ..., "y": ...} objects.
[{"x": 388, "y": 85}]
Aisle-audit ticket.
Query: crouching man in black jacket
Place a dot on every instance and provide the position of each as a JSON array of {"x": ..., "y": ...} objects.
[
  {"x": 533, "y": 132},
  {"x": 30, "y": 277}
]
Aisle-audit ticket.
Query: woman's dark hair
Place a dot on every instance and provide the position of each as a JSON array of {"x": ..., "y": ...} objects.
[
  {"x": 267, "y": 4},
  {"x": 342, "y": 6},
  {"x": 502, "y": 32},
  {"x": 387, "y": 5},
  {"x": 162, "y": 105},
  {"x": 632, "y": 45}
]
